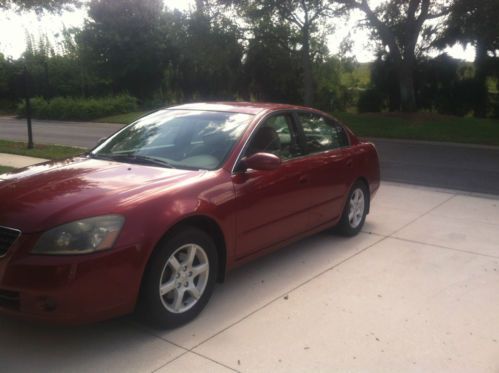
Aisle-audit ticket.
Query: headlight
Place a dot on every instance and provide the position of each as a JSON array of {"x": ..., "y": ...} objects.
[{"x": 81, "y": 237}]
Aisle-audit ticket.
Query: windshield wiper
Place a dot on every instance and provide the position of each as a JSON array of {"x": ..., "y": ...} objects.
[
  {"x": 152, "y": 160},
  {"x": 141, "y": 159}
]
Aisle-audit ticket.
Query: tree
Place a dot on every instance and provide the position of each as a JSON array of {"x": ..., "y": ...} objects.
[
  {"x": 445, "y": 84},
  {"x": 209, "y": 59},
  {"x": 398, "y": 24},
  {"x": 38, "y": 5},
  {"x": 7, "y": 96},
  {"x": 272, "y": 63},
  {"x": 332, "y": 94},
  {"x": 476, "y": 23},
  {"x": 127, "y": 40},
  {"x": 304, "y": 16}
]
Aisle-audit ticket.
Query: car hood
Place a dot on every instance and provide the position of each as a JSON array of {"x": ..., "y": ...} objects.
[{"x": 46, "y": 195}]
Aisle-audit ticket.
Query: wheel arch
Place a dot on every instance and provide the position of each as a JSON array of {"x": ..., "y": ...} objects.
[{"x": 209, "y": 226}]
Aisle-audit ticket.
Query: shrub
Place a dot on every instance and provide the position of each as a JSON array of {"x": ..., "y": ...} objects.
[
  {"x": 371, "y": 100},
  {"x": 68, "y": 108}
]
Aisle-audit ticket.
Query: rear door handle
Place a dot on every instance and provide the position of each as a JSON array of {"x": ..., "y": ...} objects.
[{"x": 349, "y": 163}]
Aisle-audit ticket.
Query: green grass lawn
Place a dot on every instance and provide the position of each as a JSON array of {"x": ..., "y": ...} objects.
[
  {"x": 4, "y": 169},
  {"x": 40, "y": 151},
  {"x": 122, "y": 118},
  {"x": 423, "y": 126}
]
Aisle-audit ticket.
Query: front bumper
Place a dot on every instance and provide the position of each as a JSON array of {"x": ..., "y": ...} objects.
[{"x": 69, "y": 289}]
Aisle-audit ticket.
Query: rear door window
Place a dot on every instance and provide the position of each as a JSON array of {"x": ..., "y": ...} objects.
[{"x": 321, "y": 134}]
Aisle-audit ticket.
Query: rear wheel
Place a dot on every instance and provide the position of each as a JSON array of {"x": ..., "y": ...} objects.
[
  {"x": 355, "y": 211},
  {"x": 179, "y": 279}
]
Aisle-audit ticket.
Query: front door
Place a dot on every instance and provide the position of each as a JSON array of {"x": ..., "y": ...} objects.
[{"x": 272, "y": 205}]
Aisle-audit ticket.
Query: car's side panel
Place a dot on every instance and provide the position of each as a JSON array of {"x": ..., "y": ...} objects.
[
  {"x": 330, "y": 176},
  {"x": 366, "y": 165},
  {"x": 212, "y": 197},
  {"x": 330, "y": 171},
  {"x": 271, "y": 205}
]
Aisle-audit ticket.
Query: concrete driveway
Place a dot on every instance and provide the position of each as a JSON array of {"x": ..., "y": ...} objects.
[{"x": 418, "y": 290}]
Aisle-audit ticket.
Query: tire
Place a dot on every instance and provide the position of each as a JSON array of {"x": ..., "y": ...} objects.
[
  {"x": 355, "y": 211},
  {"x": 179, "y": 279}
]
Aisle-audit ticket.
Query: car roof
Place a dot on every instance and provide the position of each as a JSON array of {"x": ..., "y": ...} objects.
[{"x": 238, "y": 107}]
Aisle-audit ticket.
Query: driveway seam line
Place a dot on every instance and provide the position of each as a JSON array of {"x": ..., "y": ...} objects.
[
  {"x": 423, "y": 215},
  {"x": 195, "y": 353},
  {"x": 171, "y": 361},
  {"x": 151, "y": 333},
  {"x": 217, "y": 362},
  {"x": 433, "y": 245},
  {"x": 445, "y": 247},
  {"x": 392, "y": 235},
  {"x": 143, "y": 329}
]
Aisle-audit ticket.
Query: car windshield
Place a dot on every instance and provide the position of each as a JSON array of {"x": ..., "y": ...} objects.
[{"x": 185, "y": 139}]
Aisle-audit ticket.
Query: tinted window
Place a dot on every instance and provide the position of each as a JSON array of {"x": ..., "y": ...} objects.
[
  {"x": 180, "y": 138},
  {"x": 275, "y": 136},
  {"x": 321, "y": 134}
]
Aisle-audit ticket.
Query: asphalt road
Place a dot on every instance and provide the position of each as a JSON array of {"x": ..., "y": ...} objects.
[
  {"x": 461, "y": 167},
  {"x": 80, "y": 134}
]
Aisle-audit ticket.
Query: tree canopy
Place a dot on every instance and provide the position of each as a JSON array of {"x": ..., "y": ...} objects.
[
  {"x": 265, "y": 50},
  {"x": 38, "y": 5},
  {"x": 399, "y": 24},
  {"x": 304, "y": 17},
  {"x": 476, "y": 22}
]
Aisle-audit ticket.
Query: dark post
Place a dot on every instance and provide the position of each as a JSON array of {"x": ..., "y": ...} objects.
[{"x": 28, "y": 107}]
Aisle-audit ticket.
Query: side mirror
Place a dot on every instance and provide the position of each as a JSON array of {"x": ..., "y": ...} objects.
[{"x": 261, "y": 161}]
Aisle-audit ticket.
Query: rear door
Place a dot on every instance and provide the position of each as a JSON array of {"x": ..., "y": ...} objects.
[{"x": 329, "y": 165}]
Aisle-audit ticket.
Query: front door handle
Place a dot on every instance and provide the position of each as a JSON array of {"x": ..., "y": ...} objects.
[{"x": 303, "y": 179}]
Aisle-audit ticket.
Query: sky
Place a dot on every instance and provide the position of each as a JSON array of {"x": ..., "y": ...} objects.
[{"x": 14, "y": 27}]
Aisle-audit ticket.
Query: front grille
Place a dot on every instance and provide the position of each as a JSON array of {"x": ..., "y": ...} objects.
[{"x": 7, "y": 238}]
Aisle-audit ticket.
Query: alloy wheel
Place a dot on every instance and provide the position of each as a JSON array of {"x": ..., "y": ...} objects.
[
  {"x": 184, "y": 278},
  {"x": 357, "y": 207}
]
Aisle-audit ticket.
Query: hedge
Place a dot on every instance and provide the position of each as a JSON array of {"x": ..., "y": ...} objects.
[{"x": 69, "y": 108}]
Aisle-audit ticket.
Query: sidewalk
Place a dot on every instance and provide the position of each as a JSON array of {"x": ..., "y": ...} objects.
[{"x": 18, "y": 161}]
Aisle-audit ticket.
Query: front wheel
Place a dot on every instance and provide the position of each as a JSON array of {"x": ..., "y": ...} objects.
[
  {"x": 179, "y": 279},
  {"x": 355, "y": 211}
]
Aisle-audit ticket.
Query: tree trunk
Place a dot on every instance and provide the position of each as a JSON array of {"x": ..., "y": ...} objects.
[
  {"x": 481, "y": 94},
  {"x": 406, "y": 84},
  {"x": 308, "y": 85},
  {"x": 200, "y": 6}
]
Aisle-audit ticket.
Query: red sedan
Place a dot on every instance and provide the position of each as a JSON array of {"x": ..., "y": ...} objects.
[{"x": 156, "y": 214}]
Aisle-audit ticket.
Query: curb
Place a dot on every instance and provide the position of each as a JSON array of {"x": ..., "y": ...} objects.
[{"x": 435, "y": 143}]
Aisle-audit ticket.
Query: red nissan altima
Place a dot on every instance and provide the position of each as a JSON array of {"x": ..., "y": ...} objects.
[{"x": 156, "y": 214}]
